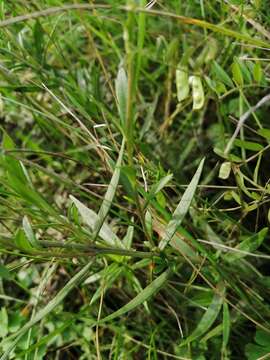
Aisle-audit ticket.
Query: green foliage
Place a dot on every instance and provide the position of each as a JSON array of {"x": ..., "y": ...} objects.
[
  {"x": 117, "y": 241},
  {"x": 260, "y": 348}
]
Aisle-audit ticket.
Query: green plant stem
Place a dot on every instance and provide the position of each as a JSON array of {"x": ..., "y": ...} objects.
[{"x": 95, "y": 250}]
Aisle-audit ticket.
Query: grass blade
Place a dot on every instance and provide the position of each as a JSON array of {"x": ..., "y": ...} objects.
[{"x": 182, "y": 208}]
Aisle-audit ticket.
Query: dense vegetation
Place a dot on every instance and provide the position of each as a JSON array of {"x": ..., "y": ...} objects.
[{"x": 134, "y": 179}]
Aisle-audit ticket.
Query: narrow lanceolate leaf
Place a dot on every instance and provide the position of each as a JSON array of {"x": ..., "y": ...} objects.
[
  {"x": 121, "y": 88},
  {"x": 247, "y": 246},
  {"x": 208, "y": 318},
  {"x": 226, "y": 325},
  {"x": 264, "y": 132},
  {"x": 106, "y": 204},
  {"x": 160, "y": 184},
  {"x": 221, "y": 74},
  {"x": 110, "y": 275},
  {"x": 127, "y": 240},
  {"x": 156, "y": 188},
  {"x": 143, "y": 296},
  {"x": 14, "y": 339},
  {"x": 237, "y": 73},
  {"x": 29, "y": 233},
  {"x": 21, "y": 241},
  {"x": 248, "y": 145},
  {"x": 182, "y": 208},
  {"x": 179, "y": 241},
  {"x": 90, "y": 217}
]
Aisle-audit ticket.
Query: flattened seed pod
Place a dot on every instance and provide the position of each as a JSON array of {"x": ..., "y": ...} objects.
[
  {"x": 182, "y": 85},
  {"x": 197, "y": 92}
]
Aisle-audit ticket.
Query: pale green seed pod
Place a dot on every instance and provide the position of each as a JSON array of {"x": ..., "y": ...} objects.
[
  {"x": 182, "y": 85},
  {"x": 225, "y": 169},
  {"x": 197, "y": 92}
]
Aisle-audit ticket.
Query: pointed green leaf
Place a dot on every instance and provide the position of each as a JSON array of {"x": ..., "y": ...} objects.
[
  {"x": 208, "y": 318},
  {"x": 221, "y": 74},
  {"x": 106, "y": 204},
  {"x": 90, "y": 217},
  {"x": 264, "y": 132},
  {"x": 248, "y": 145},
  {"x": 121, "y": 88},
  {"x": 149, "y": 223},
  {"x": 156, "y": 188},
  {"x": 127, "y": 240},
  {"x": 182, "y": 208},
  {"x": 160, "y": 185},
  {"x": 29, "y": 233},
  {"x": 22, "y": 242},
  {"x": 247, "y": 246},
  {"x": 237, "y": 73},
  {"x": 10, "y": 164},
  {"x": 144, "y": 295}
]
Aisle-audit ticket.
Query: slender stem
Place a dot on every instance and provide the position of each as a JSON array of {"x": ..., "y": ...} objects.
[
  {"x": 95, "y": 250},
  {"x": 132, "y": 87},
  {"x": 242, "y": 120}
]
